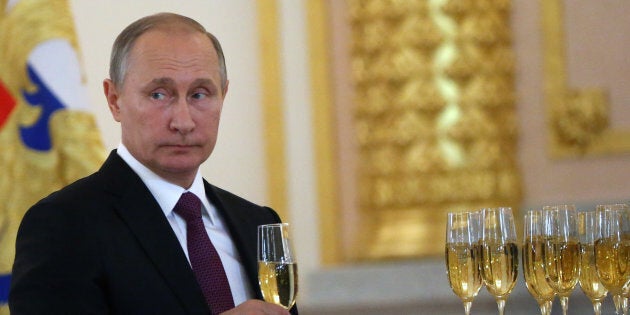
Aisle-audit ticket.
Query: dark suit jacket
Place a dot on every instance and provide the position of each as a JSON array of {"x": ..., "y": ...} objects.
[{"x": 102, "y": 245}]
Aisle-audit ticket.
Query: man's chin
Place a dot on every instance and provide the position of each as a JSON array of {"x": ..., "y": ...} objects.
[{"x": 180, "y": 164}]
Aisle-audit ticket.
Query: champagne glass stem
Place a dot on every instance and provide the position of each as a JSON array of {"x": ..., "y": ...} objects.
[
  {"x": 467, "y": 306},
  {"x": 624, "y": 305},
  {"x": 501, "y": 305},
  {"x": 564, "y": 301},
  {"x": 545, "y": 308},
  {"x": 618, "y": 300},
  {"x": 597, "y": 307}
]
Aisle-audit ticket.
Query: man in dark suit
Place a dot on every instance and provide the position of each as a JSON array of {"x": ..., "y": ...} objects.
[{"x": 118, "y": 241}]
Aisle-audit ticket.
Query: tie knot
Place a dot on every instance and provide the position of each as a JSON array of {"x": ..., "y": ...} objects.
[{"x": 188, "y": 206}]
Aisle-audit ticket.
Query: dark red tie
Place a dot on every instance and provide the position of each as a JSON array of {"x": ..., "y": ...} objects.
[{"x": 205, "y": 261}]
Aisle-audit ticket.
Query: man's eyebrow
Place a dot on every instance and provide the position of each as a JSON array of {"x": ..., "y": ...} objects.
[
  {"x": 202, "y": 81},
  {"x": 162, "y": 81},
  {"x": 170, "y": 81}
]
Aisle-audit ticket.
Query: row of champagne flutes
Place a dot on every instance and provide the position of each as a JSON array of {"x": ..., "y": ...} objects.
[
  {"x": 481, "y": 249},
  {"x": 560, "y": 248}
]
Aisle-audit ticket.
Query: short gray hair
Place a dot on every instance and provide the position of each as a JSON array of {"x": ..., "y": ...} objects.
[{"x": 126, "y": 39}]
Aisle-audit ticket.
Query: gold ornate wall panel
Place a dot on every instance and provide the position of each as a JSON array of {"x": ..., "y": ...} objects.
[
  {"x": 577, "y": 119},
  {"x": 435, "y": 118},
  {"x": 271, "y": 78}
]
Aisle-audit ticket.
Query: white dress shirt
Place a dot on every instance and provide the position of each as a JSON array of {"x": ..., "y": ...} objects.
[{"x": 167, "y": 195}]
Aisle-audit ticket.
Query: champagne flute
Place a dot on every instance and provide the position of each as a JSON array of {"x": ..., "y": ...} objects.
[
  {"x": 463, "y": 259},
  {"x": 561, "y": 251},
  {"x": 499, "y": 253},
  {"x": 612, "y": 251},
  {"x": 588, "y": 231},
  {"x": 626, "y": 297},
  {"x": 533, "y": 263},
  {"x": 277, "y": 267}
]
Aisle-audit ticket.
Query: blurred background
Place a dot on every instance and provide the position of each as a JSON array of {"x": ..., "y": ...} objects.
[{"x": 364, "y": 122}]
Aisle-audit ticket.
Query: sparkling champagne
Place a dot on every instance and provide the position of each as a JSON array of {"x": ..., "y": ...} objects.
[
  {"x": 463, "y": 265},
  {"x": 589, "y": 280},
  {"x": 499, "y": 267},
  {"x": 534, "y": 271},
  {"x": 562, "y": 264},
  {"x": 278, "y": 282},
  {"x": 612, "y": 258}
]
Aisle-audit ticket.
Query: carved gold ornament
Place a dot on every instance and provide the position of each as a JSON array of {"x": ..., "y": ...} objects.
[{"x": 435, "y": 118}]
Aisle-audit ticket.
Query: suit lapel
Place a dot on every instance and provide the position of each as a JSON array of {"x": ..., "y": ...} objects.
[
  {"x": 243, "y": 231},
  {"x": 142, "y": 214}
]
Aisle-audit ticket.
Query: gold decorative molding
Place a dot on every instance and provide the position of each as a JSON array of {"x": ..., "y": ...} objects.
[
  {"x": 577, "y": 119},
  {"x": 273, "y": 113},
  {"x": 323, "y": 121}
]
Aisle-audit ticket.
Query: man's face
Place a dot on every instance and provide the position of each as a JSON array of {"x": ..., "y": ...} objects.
[{"x": 170, "y": 102}]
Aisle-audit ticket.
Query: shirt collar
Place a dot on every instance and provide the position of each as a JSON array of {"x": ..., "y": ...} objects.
[{"x": 165, "y": 193}]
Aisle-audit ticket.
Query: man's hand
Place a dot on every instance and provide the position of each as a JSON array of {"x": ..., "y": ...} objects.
[{"x": 257, "y": 307}]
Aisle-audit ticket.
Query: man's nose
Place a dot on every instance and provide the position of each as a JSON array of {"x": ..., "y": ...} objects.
[{"x": 181, "y": 120}]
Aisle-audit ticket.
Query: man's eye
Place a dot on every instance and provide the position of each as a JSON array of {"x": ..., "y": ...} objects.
[
  {"x": 199, "y": 96},
  {"x": 158, "y": 96}
]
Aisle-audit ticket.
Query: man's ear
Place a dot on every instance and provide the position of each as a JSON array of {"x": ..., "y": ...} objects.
[
  {"x": 225, "y": 89},
  {"x": 111, "y": 94}
]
